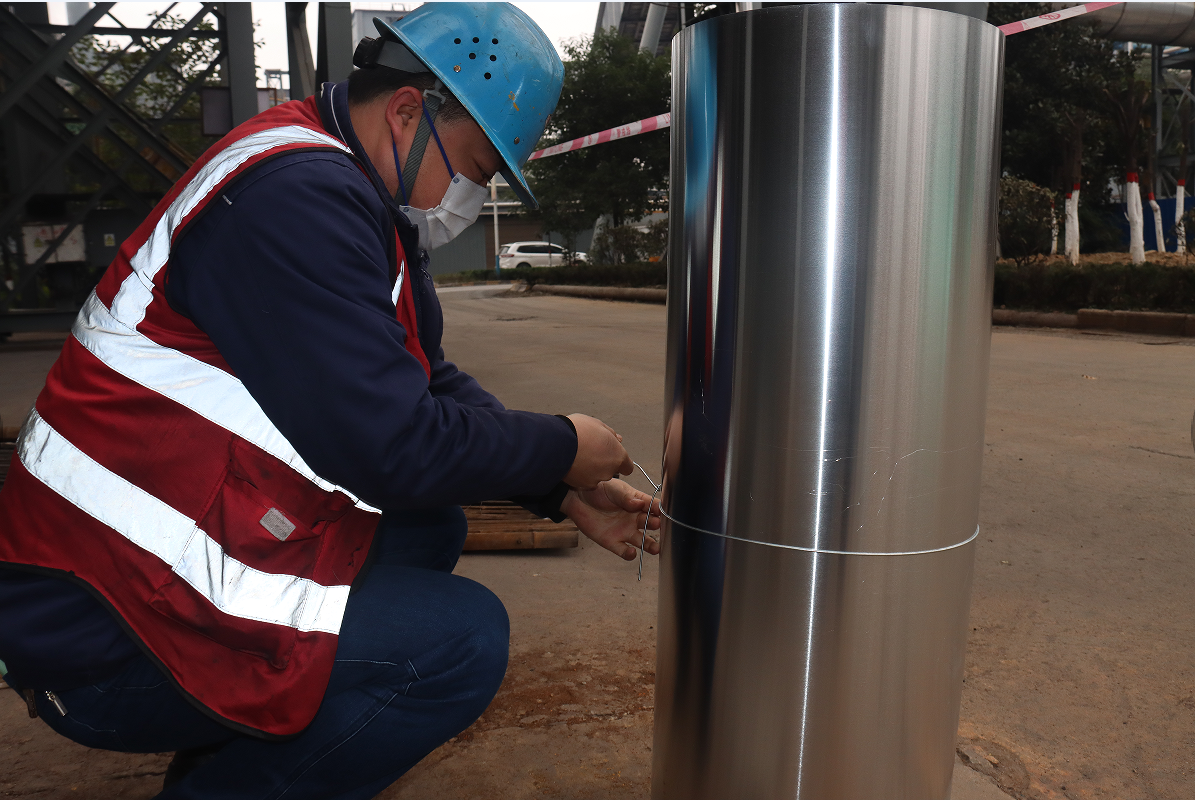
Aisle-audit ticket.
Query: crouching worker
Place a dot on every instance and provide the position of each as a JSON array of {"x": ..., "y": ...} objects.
[{"x": 233, "y": 517}]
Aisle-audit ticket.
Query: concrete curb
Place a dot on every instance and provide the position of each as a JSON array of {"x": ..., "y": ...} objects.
[
  {"x": 1155, "y": 322},
  {"x": 1034, "y": 319},
  {"x": 605, "y": 293}
]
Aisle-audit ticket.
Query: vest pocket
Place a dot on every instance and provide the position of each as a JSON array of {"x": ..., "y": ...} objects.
[{"x": 244, "y": 578}]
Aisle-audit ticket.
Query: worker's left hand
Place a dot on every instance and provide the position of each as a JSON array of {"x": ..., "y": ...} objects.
[{"x": 612, "y": 515}]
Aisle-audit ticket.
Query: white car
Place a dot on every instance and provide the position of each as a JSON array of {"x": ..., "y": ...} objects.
[{"x": 533, "y": 254}]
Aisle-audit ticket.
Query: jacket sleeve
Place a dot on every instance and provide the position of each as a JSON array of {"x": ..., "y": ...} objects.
[
  {"x": 448, "y": 381},
  {"x": 289, "y": 278}
]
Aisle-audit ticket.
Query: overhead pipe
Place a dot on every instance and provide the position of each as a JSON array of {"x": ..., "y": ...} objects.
[
  {"x": 1154, "y": 23},
  {"x": 649, "y": 42},
  {"x": 834, "y": 181}
]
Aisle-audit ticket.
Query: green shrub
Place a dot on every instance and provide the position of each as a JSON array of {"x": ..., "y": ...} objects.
[
  {"x": 1026, "y": 219},
  {"x": 1121, "y": 287},
  {"x": 635, "y": 274},
  {"x": 627, "y": 244}
]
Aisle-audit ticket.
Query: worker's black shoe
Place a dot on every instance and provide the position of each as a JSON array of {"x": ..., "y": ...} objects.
[{"x": 187, "y": 761}]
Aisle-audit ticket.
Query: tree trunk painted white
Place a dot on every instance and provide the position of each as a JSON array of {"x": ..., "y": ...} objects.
[
  {"x": 1158, "y": 232},
  {"x": 1053, "y": 229},
  {"x": 1072, "y": 226},
  {"x": 1180, "y": 230},
  {"x": 1132, "y": 196},
  {"x": 1066, "y": 221}
]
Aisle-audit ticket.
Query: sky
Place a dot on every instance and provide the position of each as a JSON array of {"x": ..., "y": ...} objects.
[{"x": 560, "y": 21}]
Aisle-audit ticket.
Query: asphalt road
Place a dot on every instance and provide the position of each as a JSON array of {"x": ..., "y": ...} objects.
[{"x": 1079, "y": 680}]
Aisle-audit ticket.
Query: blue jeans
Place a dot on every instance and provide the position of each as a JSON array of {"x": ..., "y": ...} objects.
[{"x": 421, "y": 654}]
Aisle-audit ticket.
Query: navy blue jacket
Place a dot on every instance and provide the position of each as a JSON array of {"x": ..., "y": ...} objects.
[{"x": 289, "y": 273}]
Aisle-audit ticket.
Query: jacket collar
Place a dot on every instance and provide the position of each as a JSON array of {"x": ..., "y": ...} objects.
[{"x": 334, "y": 112}]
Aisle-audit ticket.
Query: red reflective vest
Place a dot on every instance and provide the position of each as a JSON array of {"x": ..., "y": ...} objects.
[{"x": 148, "y": 471}]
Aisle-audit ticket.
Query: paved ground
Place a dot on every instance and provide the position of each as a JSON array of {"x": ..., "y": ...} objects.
[
  {"x": 1079, "y": 679},
  {"x": 24, "y": 361}
]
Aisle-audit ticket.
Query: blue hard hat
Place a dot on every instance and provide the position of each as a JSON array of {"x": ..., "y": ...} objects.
[{"x": 498, "y": 63}]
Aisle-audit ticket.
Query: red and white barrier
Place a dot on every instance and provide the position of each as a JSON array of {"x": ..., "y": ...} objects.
[
  {"x": 1051, "y": 18},
  {"x": 661, "y": 121},
  {"x": 621, "y": 132}
]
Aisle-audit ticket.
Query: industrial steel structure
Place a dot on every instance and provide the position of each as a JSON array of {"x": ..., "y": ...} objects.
[
  {"x": 84, "y": 162},
  {"x": 1169, "y": 31}
]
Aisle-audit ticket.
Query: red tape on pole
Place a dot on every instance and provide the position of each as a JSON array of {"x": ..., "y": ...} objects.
[{"x": 665, "y": 120}]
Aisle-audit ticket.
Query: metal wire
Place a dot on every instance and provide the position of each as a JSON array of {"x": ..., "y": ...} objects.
[
  {"x": 647, "y": 519},
  {"x": 819, "y": 551}
]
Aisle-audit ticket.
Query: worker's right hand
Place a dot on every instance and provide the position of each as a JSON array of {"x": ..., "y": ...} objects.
[{"x": 600, "y": 454}]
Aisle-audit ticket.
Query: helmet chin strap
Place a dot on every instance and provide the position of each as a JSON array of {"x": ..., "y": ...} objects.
[{"x": 432, "y": 100}]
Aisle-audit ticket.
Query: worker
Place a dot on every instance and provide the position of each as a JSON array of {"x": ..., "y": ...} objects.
[{"x": 231, "y": 523}]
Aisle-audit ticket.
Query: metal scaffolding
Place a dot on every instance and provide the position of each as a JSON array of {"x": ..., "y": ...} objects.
[
  {"x": 1173, "y": 86},
  {"x": 86, "y": 156}
]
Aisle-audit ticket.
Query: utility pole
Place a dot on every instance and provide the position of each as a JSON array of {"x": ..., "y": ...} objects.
[{"x": 494, "y": 201}]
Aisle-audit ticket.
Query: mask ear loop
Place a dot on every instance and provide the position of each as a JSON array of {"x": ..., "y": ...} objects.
[
  {"x": 435, "y": 133},
  {"x": 401, "y": 186},
  {"x": 432, "y": 99}
]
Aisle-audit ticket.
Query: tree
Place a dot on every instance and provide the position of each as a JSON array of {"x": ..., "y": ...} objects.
[
  {"x": 1180, "y": 203},
  {"x": 1056, "y": 131},
  {"x": 607, "y": 82},
  {"x": 1127, "y": 98}
]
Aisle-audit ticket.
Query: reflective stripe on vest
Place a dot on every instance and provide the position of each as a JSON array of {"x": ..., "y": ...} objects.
[
  {"x": 140, "y": 518},
  {"x": 235, "y": 588},
  {"x": 111, "y": 335}
]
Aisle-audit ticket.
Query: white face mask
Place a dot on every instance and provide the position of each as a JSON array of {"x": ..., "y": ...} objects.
[{"x": 458, "y": 210}]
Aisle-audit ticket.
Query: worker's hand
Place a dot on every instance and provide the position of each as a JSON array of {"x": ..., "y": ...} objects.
[
  {"x": 600, "y": 454},
  {"x": 612, "y": 515}
]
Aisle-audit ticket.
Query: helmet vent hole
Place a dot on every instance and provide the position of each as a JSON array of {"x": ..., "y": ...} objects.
[
  {"x": 493, "y": 58},
  {"x": 487, "y": 76},
  {"x": 456, "y": 41},
  {"x": 473, "y": 55},
  {"x": 476, "y": 40}
]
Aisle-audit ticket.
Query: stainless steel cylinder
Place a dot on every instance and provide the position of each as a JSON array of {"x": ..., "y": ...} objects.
[{"x": 832, "y": 247}]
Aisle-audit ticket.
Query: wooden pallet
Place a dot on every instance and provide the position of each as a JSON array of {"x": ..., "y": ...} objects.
[{"x": 502, "y": 525}]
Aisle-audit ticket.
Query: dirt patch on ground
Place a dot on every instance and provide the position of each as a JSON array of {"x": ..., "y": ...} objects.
[
  {"x": 997, "y": 762},
  {"x": 541, "y": 689},
  {"x": 575, "y": 725}
]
